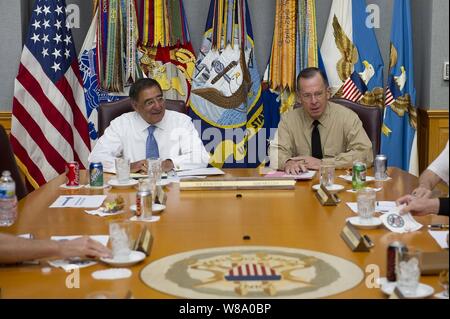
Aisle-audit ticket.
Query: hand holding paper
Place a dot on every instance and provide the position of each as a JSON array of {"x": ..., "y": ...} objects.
[{"x": 400, "y": 223}]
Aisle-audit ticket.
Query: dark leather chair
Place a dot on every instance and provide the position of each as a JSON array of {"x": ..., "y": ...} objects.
[
  {"x": 371, "y": 118},
  {"x": 8, "y": 162},
  {"x": 109, "y": 111}
]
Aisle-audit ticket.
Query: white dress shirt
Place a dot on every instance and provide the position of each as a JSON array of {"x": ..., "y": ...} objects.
[
  {"x": 440, "y": 165},
  {"x": 126, "y": 136}
]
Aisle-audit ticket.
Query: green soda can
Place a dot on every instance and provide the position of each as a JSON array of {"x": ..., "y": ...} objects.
[
  {"x": 359, "y": 175},
  {"x": 96, "y": 175}
]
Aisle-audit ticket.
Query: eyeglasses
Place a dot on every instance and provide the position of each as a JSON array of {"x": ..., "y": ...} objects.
[
  {"x": 309, "y": 96},
  {"x": 152, "y": 102}
]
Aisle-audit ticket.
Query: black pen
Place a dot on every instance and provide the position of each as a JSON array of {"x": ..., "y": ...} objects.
[
  {"x": 438, "y": 226},
  {"x": 369, "y": 241}
]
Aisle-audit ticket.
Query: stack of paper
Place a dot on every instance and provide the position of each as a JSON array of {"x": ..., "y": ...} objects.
[{"x": 301, "y": 176}]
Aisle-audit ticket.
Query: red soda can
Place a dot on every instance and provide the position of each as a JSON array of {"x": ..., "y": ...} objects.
[
  {"x": 73, "y": 174},
  {"x": 394, "y": 252}
]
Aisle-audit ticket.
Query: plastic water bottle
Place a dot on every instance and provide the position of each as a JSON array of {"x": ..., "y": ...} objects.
[{"x": 8, "y": 200}]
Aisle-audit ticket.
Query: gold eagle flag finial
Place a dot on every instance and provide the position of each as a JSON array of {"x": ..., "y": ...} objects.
[
  {"x": 348, "y": 51},
  {"x": 393, "y": 56}
]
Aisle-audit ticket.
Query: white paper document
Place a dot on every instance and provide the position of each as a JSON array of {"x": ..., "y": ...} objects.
[
  {"x": 440, "y": 236},
  {"x": 78, "y": 201},
  {"x": 380, "y": 206},
  {"x": 201, "y": 171},
  {"x": 400, "y": 223}
]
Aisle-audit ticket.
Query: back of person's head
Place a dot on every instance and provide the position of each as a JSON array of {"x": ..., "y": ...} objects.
[
  {"x": 140, "y": 85},
  {"x": 309, "y": 73}
]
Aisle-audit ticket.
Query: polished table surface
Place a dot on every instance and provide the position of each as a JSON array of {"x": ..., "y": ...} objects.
[{"x": 204, "y": 219}]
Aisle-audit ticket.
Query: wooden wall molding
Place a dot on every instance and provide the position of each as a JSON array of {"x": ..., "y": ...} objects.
[
  {"x": 432, "y": 135},
  {"x": 5, "y": 120}
]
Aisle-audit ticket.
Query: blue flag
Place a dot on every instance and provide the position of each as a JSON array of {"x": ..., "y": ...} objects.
[
  {"x": 370, "y": 63},
  {"x": 351, "y": 54},
  {"x": 398, "y": 138}
]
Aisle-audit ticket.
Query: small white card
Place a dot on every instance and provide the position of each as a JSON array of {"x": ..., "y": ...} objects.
[
  {"x": 78, "y": 201},
  {"x": 400, "y": 223},
  {"x": 441, "y": 237}
]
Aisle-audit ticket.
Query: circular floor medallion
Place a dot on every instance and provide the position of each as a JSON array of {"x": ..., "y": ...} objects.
[{"x": 252, "y": 272}]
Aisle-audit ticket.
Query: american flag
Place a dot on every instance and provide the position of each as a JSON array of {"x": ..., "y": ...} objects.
[
  {"x": 49, "y": 126},
  {"x": 350, "y": 91},
  {"x": 354, "y": 88},
  {"x": 389, "y": 97}
]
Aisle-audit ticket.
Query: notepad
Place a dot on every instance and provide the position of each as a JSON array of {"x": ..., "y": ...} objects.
[{"x": 78, "y": 201}]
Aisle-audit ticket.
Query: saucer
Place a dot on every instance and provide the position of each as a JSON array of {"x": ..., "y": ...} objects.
[
  {"x": 71, "y": 187},
  {"x": 423, "y": 291},
  {"x": 134, "y": 258},
  {"x": 88, "y": 186},
  {"x": 116, "y": 184},
  {"x": 156, "y": 208},
  {"x": 374, "y": 222},
  {"x": 348, "y": 178},
  {"x": 332, "y": 189},
  {"x": 164, "y": 182}
]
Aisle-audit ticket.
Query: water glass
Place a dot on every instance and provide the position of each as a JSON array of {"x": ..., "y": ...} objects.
[
  {"x": 119, "y": 236},
  {"x": 122, "y": 170},
  {"x": 366, "y": 204},
  {"x": 326, "y": 174},
  {"x": 443, "y": 281},
  {"x": 154, "y": 168},
  {"x": 408, "y": 272}
]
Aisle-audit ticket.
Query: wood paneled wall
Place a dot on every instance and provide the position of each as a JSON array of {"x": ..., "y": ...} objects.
[
  {"x": 5, "y": 121},
  {"x": 432, "y": 135}
]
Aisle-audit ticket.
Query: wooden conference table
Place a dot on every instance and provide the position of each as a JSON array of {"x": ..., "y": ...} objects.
[{"x": 203, "y": 219}]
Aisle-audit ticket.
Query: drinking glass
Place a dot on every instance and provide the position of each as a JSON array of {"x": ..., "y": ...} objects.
[
  {"x": 366, "y": 204},
  {"x": 155, "y": 169},
  {"x": 119, "y": 236},
  {"x": 326, "y": 174},
  {"x": 443, "y": 281},
  {"x": 408, "y": 272},
  {"x": 122, "y": 170}
]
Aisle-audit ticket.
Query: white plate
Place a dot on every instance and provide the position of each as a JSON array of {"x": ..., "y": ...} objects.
[
  {"x": 348, "y": 178},
  {"x": 333, "y": 188},
  {"x": 155, "y": 208},
  {"x": 134, "y": 258},
  {"x": 71, "y": 187},
  {"x": 423, "y": 291},
  {"x": 114, "y": 183},
  {"x": 88, "y": 186},
  {"x": 374, "y": 222}
]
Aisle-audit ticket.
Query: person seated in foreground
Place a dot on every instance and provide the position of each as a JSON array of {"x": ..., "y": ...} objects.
[
  {"x": 420, "y": 201},
  {"x": 435, "y": 173},
  {"x": 14, "y": 249}
]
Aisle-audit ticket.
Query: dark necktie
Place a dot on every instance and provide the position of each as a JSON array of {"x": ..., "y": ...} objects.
[
  {"x": 151, "y": 147},
  {"x": 316, "y": 145}
]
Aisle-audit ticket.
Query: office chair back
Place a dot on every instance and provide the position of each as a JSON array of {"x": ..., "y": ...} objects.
[
  {"x": 8, "y": 162},
  {"x": 109, "y": 111},
  {"x": 371, "y": 118}
]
